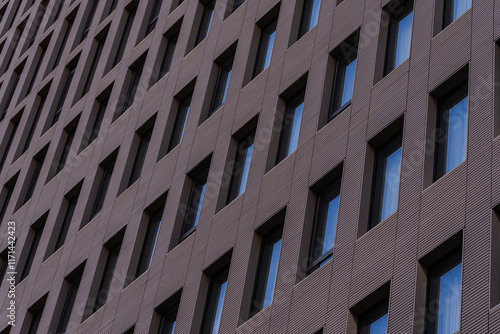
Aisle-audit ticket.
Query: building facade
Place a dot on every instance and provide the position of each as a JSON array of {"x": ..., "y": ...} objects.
[{"x": 250, "y": 166}]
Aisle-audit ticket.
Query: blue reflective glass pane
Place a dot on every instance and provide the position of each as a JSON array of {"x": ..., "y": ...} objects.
[
  {"x": 450, "y": 290},
  {"x": 456, "y": 146},
  {"x": 460, "y": 7},
  {"x": 210, "y": 22},
  {"x": 269, "y": 50},
  {"x": 173, "y": 327},
  {"x": 391, "y": 184},
  {"x": 314, "y": 14},
  {"x": 379, "y": 326},
  {"x": 154, "y": 245},
  {"x": 350, "y": 72},
  {"x": 294, "y": 135},
  {"x": 220, "y": 304},
  {"x": 403, "y": 43},
  {"x": 200, "y": 203},
  {"x": 271, "y": 277},
  {"x": 331, "y": 224},
  {"x": 246, "y": 168},
  {"x": 226, "y": 87}
]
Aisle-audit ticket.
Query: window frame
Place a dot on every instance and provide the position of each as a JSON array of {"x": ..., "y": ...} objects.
[
  {"x": 287, "y": 126},
  {"x": 309, "y": 7},
  {"x": 152, "y": 230},
  {"x": 140, "y": 156},
  {"x": 205, "y": 22},
  {"x": 341, "y": 64},
  {"x": 392, "y": 35},
  {"x": 260, "y": 61},
  {"x": 226, "y": 69},
  {"x": 108, "y": 170},
  {"x": 214, "y": 290},
  {"x": 239, "y": 161},
  {"x": 184, "y": 106},
  {"x": 372, "y": 315},
  {"x": 376, "y": 199},
  {"x": 201, "y": 181}
]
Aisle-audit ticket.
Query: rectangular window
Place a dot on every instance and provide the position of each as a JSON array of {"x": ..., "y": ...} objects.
[
  {"x": 384, "y": 200},
  {"x": 149, "y": 243},
  {"x": 222, "y": 85},
  {"x": 215, "y": 302},
  {"x": 107, "y": 276},
  {"x": 62, "y": 44},
  {"x": 168, "y": 320},
  {"x": 90, "y": 136},
  {"x": 241, "y": 167},
  {"x": 90, "y": 18},
  {"x": 35, "y": 173},
  {"x": 66, "y": 223},
  {"x": 132, "y": 88},
  {"x": 343, "y": 87},
  {"x": 13, "y": 130},
  {"x": 36, "y": 70},
  {"x": 451, "y": 144},
  {"x": 36, "y": 316},
  {"x": 180, "y": 122},
  {"x": 399, "y": 39},
  {"x": 193, "y": 208},
  {"x": 290, "y": 128},
  {"x": 69, "y": 303},
  {"x": 65, "y": 152},
  {"x": 11, "y": 95},
  {"x": 140, "y": 157},
  {"x": 232, "y": 5},
  {"x": 153, "y": 17},
  {"x": 265, "y": 49},
  {"x": 310, "y": 15},
  {"x": 34, "y": 123},
  {"x": 168, "y": 55},
  {"x": 325, "y": 227},
  {"x": 63, "y": 95},
  {"x": 206, "y": 21},
  {"x": 102, "y": 190},
  {"x": 267, "y": 271},
  {"x": 374, "y": 321},
  {"x": 453, "y": 9},
  {"x": 124, "y": 36},
  {"x": 6, "y": 196},
  {"x": 34, "y": 238},
  {"x": 93, "y": 67},
  {"x": 444, "y": 295}
]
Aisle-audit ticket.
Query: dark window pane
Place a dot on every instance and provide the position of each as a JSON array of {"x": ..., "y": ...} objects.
[
  {"x": 168, "y": 56},
  {"x": 310, "y": 14},
  {"x": 153, "y": 18},
  {"x": 62, "y": 45},
  {"x": 109, "y": 269},
  {"x": 124, "y": 37},
  {"x": 96, "y": 126},
  {"x": 452, "y": 131},
  {"x": 3, "y": 268},
  {"x": 150, "y": 240},
  {"x": 11, "y": 95},
  {"x": 206, "y": 21},
  {"x": 113, "y": 6},
  {"x": 140, "y": 157},
  {"x": 103, "y": 189},
  {"x": 64, "y": 155},
  {"x": 265, "y": 50},
  {"x": 31, "y": 253},
  {"x": 241, "y": 167},
  {"x": 33, "y": 180},
  {"x": 35, "y": 72},
  {"x": 180, "y": 122},
  {"x": 325, "y": 227},
  {"x": 68, "y": 305},
  {"x": 234, "y": 4},
  {"x": 215, "y": 302},
  {"x": 7, "y": 147},
  {"x": 34, "y": 123},
  {"x": 132, "y": 89},
  {"x": 267, "y": 271},
  {"x": 195, "y": 203},
  {"x": 90, "y": 18},
  {"x": 290, "y": 128},
  {"x": 386, "y": 182},
  {"x": 35, "y": 319},
  {"x": 5, "y": 203},
  {"x": 62, "y": 97},
  {"x": 68, "y": 216},
  {"x": 168, "y": 320},
  {"x": 222, "y": 85},
  {"x": 93, "y": 67}
]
